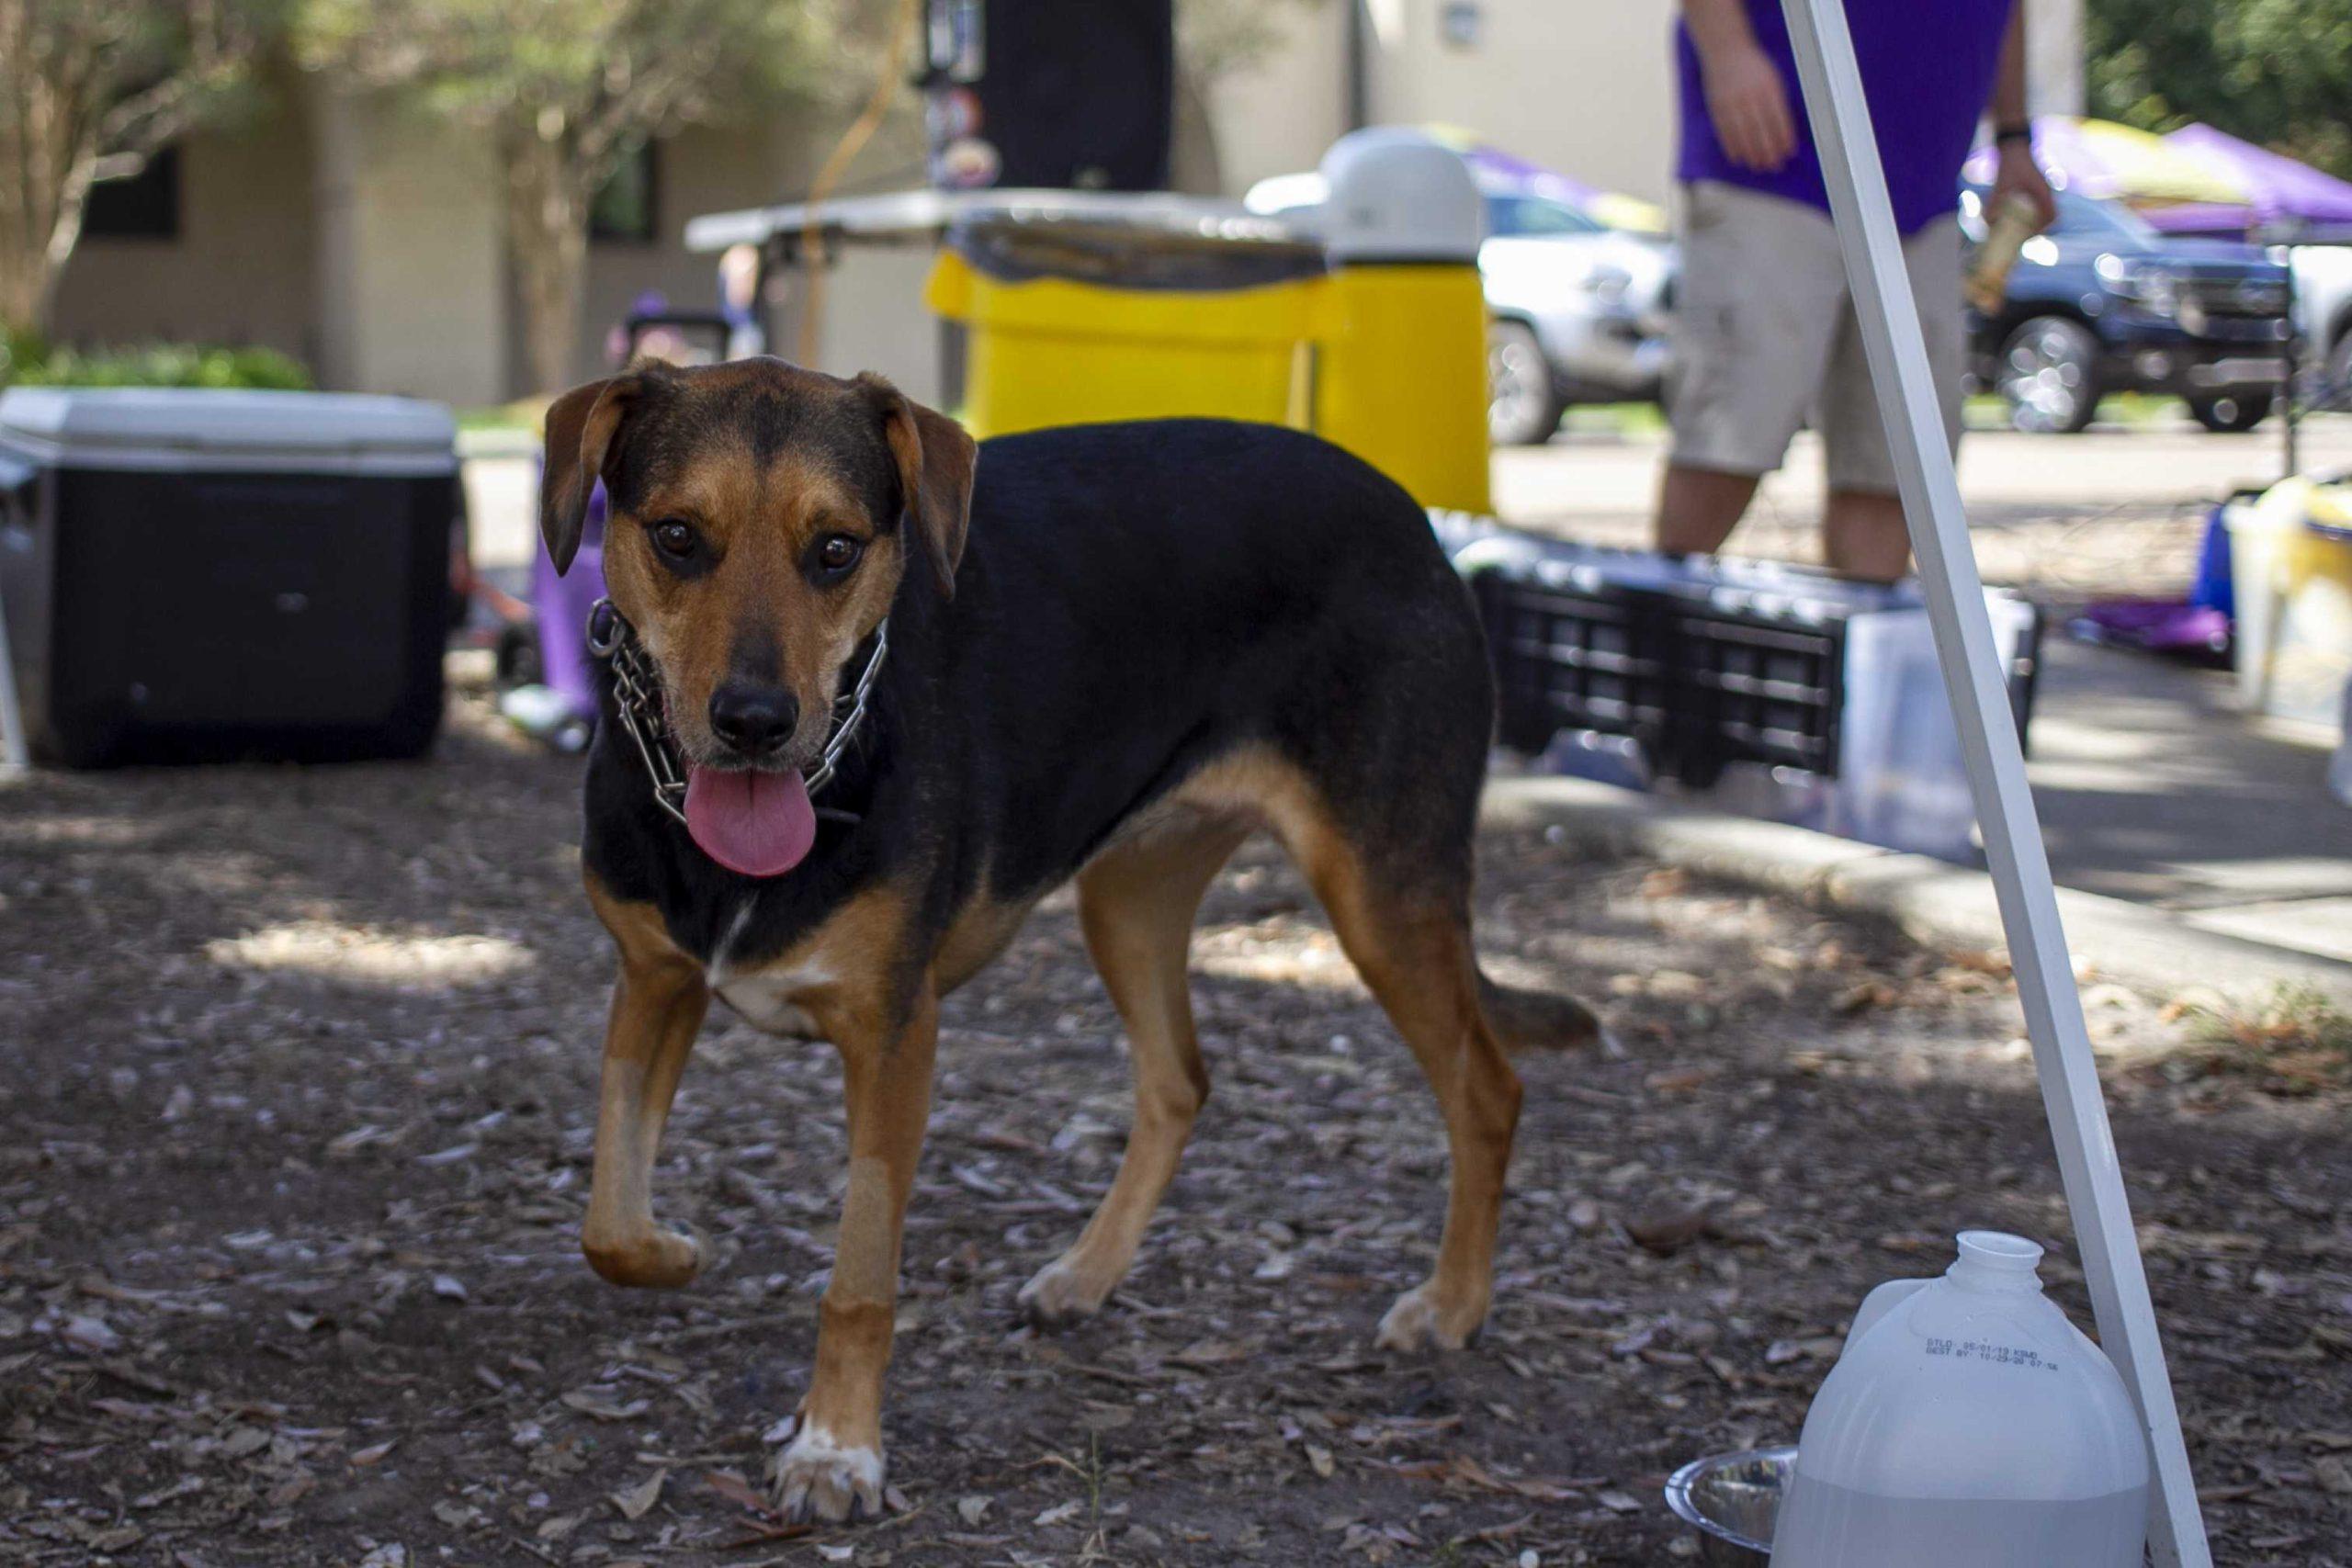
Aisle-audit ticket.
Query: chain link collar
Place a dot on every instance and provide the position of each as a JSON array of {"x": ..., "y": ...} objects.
[{"x": 637, "y": 697}]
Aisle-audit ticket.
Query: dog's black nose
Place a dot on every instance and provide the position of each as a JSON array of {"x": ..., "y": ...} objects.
[{"x": 756, "y": 720}]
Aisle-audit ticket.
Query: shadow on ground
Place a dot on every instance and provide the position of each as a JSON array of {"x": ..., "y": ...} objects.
[{"x": 300, "y": 1070}]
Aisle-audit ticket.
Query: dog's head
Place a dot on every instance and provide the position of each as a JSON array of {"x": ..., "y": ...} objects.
[{"x": 761, "y": 521}]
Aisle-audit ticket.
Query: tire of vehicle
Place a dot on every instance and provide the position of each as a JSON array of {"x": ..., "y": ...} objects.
[
  {"x": 1522, "y": 408},
  {"x": 2048, "y": 374},
  {"x": 2231, "y": 414}
]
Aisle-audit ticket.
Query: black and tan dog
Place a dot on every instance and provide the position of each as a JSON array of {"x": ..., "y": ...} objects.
[{"x": 1113, "y": 652}]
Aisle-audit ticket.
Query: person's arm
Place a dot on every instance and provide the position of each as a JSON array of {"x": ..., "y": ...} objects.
[
  {"x": 1746, "y": 97},
  {"x": 2017, "y": 174}
]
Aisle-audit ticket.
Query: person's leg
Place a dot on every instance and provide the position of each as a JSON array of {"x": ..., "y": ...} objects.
[
  {"x": 1864, "y": 533},
  {"x": 1757, "y": 314},
  {"x": 1698, "y": 508}
]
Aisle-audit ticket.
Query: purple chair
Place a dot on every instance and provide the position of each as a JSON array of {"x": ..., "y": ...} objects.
[{"x": 561, "y": 605}]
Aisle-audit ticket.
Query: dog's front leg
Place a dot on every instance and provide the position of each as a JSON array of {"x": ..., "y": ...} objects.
[
  {"x": 657, "y": 1008},
  {"x": 833, "y": 1468}
]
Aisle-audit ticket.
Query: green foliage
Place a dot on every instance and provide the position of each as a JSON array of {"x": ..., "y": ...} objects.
[
  {"x": 2274, "y": 71},
  {"x": 138, "y": 74},
  {"x": 598, "y": 77},
  {"x": 89, "y": 90},
  {"x": 24, "y": 362}
]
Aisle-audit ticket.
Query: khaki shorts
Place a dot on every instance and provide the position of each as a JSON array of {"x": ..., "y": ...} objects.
[{"x": 1765, "y": 337}]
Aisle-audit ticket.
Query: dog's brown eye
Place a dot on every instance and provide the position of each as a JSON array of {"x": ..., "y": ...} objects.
[
  {"x": 673, "y": 539},
  {"x": 837, "y": 552}
]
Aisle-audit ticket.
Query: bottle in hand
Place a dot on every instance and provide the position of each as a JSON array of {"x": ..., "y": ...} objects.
[{"x": 1989, "y": 274}]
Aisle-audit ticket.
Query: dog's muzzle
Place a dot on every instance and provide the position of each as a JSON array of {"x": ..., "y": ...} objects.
[{"x": 644, "y": 716}]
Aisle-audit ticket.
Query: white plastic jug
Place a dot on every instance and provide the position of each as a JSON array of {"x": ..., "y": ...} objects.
[{"x": 1968, "y": 1424}]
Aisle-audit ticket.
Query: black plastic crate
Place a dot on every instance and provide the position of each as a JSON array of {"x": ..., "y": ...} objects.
[{"x": 1702, "y": 670}]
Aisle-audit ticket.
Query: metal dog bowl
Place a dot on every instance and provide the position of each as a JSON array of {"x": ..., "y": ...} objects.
[{"x": 1731, "y": 1500}]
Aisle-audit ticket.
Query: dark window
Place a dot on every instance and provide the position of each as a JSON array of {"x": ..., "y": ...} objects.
[
  {"x": 627, "y": 211},
  {"x": 1535, "y": 215},
  {"x": 144, "y": 206}
]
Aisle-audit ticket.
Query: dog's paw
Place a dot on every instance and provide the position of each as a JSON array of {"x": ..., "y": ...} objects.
[
  {"x": 1055, "y": 1297},
  {"x": 1417, "y": 1323},
  {"x": 818, "y": 1478},
  {"x": 657, "y": 1259}
]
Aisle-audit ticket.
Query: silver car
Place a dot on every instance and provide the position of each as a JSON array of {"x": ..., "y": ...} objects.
[
  {"x": 1578, "y": 309},
  {"x": 1579, "y": 313}
]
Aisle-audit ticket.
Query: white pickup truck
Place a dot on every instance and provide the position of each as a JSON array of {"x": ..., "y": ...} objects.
[{"x": 2323, "y": 313}]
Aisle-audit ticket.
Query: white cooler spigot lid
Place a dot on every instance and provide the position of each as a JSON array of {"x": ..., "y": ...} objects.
[{"x": 1398, "y": 195}]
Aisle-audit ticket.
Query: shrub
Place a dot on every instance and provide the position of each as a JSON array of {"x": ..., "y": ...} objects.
[{"x": 25, "y": 363}]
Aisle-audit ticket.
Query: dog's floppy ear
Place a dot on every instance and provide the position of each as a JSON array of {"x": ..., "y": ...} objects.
[
  {"x": 581, "y": 427},
  {"x": 936, "y": 459}
]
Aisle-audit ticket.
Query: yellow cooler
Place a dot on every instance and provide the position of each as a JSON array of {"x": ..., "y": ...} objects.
[
  {"x": 1077, "y": 322},
  {"x": 1401, "y": 377},
  {"x": 2290, "y": 566},
  {"x": 1372, "y": 333}
]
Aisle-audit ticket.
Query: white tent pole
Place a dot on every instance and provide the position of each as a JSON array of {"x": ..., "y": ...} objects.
[{"x": 1908, "y": 402}]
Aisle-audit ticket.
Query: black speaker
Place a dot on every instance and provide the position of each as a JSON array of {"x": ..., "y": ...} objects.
[{"x": 1071, "y": 94}]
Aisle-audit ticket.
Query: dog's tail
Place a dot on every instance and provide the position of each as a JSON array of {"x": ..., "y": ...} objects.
[{"x": 1525, "y": 1019}]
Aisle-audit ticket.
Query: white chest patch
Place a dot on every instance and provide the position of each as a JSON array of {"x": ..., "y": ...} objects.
[
  {"x": 766, "y": 998},
  {"x": 769, "y": 996}
]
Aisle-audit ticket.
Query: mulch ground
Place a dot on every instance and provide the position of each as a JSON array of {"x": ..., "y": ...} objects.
[{"x": 294, "y": 1147}]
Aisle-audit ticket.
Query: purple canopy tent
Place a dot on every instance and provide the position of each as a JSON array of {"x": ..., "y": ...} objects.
[
  {"x": 2110, "y": 162},
  {"x": 2286, "y": 199}
]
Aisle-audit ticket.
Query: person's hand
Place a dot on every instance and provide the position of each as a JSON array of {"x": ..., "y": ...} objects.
[
  {"x": 2018, "y": 175},
  {"x": 1749, "y": 104}
]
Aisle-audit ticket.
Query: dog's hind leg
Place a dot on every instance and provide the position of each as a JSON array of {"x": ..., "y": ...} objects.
[
  {"x": 1136, "y": 902},
  {"x": 1407, "y": 933},
  {"x": 657, "y": 1008}
]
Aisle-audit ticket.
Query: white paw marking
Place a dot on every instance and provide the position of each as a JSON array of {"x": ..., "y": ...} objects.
[
  {"x": 1054, "y": 1295},
  {"x": 1412, "y": 1324},
  {"x": 820, "y": 1475}
]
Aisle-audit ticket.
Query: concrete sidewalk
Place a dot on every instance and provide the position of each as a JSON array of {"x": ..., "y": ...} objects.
[
  {"x": 2151, "y": 948},
  {"x": 2154, "y": 789}
]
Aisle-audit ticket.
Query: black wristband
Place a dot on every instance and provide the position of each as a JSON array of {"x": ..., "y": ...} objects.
[{"x": 2007, "y": 133}]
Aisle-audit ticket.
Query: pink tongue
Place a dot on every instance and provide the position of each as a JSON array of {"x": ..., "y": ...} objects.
[{"x": 758, "y": 823}]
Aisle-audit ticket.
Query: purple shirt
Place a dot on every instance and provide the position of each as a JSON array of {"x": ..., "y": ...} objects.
[{"x": 1928, "y": 68}]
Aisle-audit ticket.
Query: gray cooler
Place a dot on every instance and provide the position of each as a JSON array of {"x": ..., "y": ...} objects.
[{"x": 192, "y": 575}]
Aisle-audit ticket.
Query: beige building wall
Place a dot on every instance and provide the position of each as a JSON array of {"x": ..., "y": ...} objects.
[
  {"x": 239, "y": 273},
  {"x": 1587, "y": 89},
  {"x": 1278, "y": 116},
  {"x": 411, "y": 256},
  {"x": 1584, "y": 88}
]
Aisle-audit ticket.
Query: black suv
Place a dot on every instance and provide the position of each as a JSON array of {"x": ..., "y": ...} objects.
[{"x": 2103, "y": 303}]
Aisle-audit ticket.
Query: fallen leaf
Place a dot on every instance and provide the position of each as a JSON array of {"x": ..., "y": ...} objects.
[
  {"x": 1666, "y": 1226},
  {"x": 603, "y": 1405},
  {"x": 741, "y": 1493},
  {"x": 636, "y": 1501}
]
